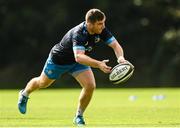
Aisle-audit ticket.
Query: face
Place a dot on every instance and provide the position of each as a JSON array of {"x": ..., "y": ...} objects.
[{"x": 97, "y": 27}]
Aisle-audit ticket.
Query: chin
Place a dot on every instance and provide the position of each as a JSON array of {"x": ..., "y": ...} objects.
[{"x": 99, "y": 32}]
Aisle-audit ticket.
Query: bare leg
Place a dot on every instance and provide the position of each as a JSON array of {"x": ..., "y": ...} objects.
[
  {"x": 87, "y": 81},
  {"x": 38, "y": 82}
]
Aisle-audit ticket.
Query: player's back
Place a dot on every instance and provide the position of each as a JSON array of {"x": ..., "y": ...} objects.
[{"x": 63, "y": 49}]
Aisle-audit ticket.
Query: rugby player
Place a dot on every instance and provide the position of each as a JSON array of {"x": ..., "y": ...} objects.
[{"x": 70, "y": 55}]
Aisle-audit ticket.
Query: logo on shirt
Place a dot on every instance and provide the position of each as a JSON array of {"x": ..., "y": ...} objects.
[
  {"x": 97, "y": 39},
  {"x": 86, "y": 43},
  {"x": 89, "y": 49},
  {"x": 50, "y": 72}
]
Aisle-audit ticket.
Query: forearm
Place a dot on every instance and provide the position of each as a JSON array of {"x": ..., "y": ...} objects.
[
  {"x": 118, "y": 51},
  {"x": 86, "y": 60}
]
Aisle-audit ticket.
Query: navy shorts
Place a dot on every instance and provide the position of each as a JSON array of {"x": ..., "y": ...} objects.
[{"x": 54, "y": 71}]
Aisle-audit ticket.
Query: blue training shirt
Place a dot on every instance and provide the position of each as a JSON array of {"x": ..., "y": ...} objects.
[{"x": 78, "y": 38}]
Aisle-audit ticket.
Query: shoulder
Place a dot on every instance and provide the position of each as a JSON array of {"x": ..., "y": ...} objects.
[
  {"x": 79, "y": 31},
  {"x": 105, "y": 31},
  {"x": 107, "y": 36},
  {"x": 79, "y": 28}
]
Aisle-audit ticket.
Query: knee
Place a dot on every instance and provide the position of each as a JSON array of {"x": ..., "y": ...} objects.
[{"x": 90, "y": 86}]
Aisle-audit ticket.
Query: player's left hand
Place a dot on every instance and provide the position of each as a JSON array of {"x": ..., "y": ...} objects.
[{"x": 121, "y": 59}]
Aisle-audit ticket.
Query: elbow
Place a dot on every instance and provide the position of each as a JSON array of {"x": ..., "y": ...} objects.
[{"x": 78, "y": 59}]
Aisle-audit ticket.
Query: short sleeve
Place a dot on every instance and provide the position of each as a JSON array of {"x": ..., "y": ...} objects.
[
  {"x": 78, "y": 41},
  {"x": 107, "y": 36}
]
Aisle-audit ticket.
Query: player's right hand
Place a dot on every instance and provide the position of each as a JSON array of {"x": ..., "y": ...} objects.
[{"x": 103, "y": 67}]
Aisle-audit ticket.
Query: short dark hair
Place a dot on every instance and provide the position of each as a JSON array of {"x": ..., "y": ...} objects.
[{"x": 94, "y": 15}]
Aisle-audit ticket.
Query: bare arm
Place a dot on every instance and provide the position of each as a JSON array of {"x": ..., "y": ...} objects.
[
  {"x": 81, "y": 58},
  {"x": 118, "y": 51}
]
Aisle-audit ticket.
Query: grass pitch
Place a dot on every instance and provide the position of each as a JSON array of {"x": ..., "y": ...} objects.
[{"x": 108, "y": 108}]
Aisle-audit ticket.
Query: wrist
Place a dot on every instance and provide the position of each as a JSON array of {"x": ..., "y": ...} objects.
[
  {"x": 120, "y": 59},
  {"x": 98, "y": 64}
]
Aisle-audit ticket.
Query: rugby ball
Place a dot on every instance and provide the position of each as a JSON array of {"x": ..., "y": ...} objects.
[{"x": 121, "y": 73}]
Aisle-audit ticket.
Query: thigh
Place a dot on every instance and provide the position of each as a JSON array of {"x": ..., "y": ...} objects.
[
  {"x": 41, "y": 81},
  {"x": 44, "y": 80},
  {"x": 77, "y": 69},
  {"x": 86, "y": 79}
]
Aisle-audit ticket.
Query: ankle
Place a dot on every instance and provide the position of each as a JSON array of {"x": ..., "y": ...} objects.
[
  {"x": 25, "y": 93},
  {"x": 79, "y": 112}
]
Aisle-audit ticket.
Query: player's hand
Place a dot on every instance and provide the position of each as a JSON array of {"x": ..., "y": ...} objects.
[
  {"x": 121, "y": 60},
  {"x": 103, "y": 67}
]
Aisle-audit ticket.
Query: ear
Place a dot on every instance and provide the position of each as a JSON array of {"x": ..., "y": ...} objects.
[{"x": 89, "y": 25}]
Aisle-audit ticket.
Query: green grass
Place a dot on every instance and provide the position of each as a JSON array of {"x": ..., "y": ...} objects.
[{"x": 108, "y": 108}]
